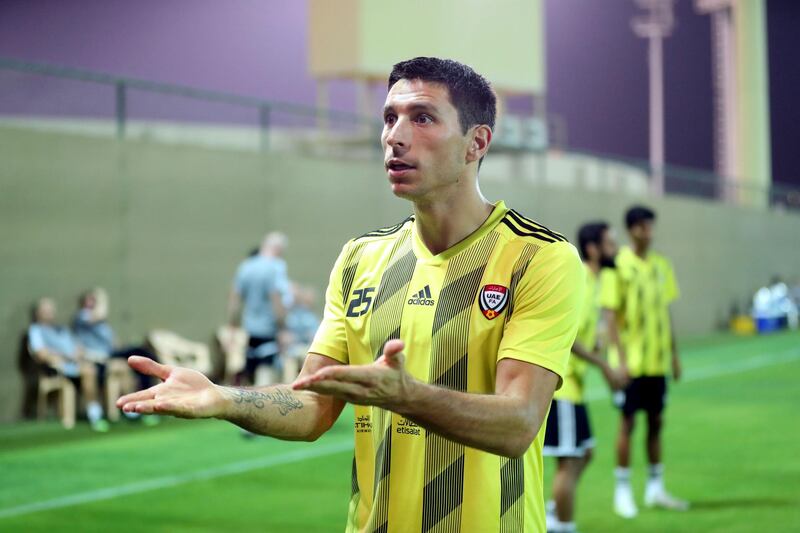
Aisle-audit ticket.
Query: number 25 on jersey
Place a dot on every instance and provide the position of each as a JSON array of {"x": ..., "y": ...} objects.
[{"x": 361, "y": 302}]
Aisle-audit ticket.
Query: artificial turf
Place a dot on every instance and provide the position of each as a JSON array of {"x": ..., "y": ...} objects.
[{"x": 730, "y": 448}]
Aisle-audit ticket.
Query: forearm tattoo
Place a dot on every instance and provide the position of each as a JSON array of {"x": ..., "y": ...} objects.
[{"x": 283, "y": 399}]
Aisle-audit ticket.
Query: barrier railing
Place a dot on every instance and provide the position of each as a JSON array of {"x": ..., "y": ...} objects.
[{"x": 125, "y": 104}]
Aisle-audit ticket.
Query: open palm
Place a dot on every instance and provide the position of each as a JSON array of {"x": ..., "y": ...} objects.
[{"x": 184, "y": 393}]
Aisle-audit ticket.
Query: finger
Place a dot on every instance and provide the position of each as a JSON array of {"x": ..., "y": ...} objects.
[
  {"x": 393, "y": 352},
  {"x": 147, "y": 394},
  {"x": 364, "y": 374},
  {"x": 153, "y": 406},
  {"x": 144, "y": 407},
  {"x": 145, "y": 365},
  {"x": 351, "y": 392},
  {"x": 173, "y": 408}
]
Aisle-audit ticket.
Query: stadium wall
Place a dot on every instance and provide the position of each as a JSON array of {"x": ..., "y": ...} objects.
[{"x": 163, "y": 228}]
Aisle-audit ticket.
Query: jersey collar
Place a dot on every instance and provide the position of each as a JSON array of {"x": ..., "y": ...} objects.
[
  {"x": 627, "y": 250},
  {"x": 423, "y": 254}
]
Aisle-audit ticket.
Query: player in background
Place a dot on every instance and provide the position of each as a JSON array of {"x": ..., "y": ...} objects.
[
  {"x": 636, "y": 296},
  {"x": 568, "y": 436}
]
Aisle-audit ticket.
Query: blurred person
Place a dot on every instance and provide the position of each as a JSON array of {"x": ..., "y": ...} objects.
[
  {"x": 448, "y": 434},
  {"x": 94, "y": 334},
  {"x": 302, "y": 321},
  {"x": 301, "y": 326},
  {"x": 258, "y": 301},
  {"x": 53, "y": 345},
  {"x": 636, "y": 297},
  {"x": 782, "y": 303},
  {"x": 568, "y": 434}
]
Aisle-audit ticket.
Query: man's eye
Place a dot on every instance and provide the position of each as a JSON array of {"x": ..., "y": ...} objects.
[
  {"x": 389, "y": 119},
  {"x": 424, "y": 119}
]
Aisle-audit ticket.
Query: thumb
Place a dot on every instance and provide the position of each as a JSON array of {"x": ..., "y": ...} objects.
[
  {"x": 393, "y": 352},
  {"x": 145, "y": 365}
]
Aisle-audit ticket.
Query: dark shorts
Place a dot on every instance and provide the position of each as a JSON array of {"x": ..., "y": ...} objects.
[
  {"x": 646, "y": 393},
  {"x": 568, "y": 433},
  {"x": 260, "y": 351}
]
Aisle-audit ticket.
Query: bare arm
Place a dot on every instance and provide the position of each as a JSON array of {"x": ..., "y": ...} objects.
[
  {"x": 48, "y": 357},
  {"x": 276, "y": 411},
  {"x": 503, "y": 423},
  {"x": 583, "y": 352},
  {"x": 278, "y": 308},
  {"x": 677, "y": 370},
  {"x": 613, "y": 379},
  {"x": 613, "y": 337}
]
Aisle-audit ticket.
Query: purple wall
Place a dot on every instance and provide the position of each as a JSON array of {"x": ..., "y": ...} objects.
[
  {"x": 249, "y": 47},
  {"x": 596, "y": 67}
]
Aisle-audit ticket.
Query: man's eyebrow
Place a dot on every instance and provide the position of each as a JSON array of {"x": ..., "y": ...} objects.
[{"x": 412, "y": 107}]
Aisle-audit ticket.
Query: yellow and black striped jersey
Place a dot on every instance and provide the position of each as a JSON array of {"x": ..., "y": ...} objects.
[
  {"x": 640, "y": 292},
  {"x": 510, "y": 290},
  {"x": 573, "y": 388}
]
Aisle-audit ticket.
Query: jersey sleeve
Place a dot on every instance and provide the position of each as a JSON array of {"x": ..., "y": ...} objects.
[
  {"x": 331, "y": 337},
  {"x": 610, "y": 290},
  {"x": 672, "y": 292},
  {"x": 547, "y": 309}
]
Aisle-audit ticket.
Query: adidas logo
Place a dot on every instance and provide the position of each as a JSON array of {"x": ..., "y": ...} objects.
[{"x": 423, "y": 297}]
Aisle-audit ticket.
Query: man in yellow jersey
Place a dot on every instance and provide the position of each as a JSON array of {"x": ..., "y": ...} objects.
[
  {"x": 636, "y": 296},
  {"x": 568, "y": 436},
  {"x": 449, "y": 331}
]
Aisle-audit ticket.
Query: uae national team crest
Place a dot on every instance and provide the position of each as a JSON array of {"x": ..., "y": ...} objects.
[{"x": 493, "y": 300}]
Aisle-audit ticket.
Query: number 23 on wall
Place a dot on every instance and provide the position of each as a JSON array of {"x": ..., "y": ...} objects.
[{"x": 359, "y": 305}]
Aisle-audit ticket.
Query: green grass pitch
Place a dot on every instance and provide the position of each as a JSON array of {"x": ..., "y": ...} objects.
[{"x": 731, "y": 448}]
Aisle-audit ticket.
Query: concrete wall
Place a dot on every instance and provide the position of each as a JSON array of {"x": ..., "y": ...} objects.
[{"x": 163, "y": 228}]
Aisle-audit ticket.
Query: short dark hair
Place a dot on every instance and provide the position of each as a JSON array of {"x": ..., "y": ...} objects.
[
  {"x": 638, "y": 214},
  {"x": 590, "y": 233},
  {"x": 470, "y": 93}
]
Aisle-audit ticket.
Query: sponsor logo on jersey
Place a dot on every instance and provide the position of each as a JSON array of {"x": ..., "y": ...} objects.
[
  {"x": 422, "y": 297},
  {"x": 492, "y": 300},
  {"x": 363, "y": 424},
  {"x": 407, "y": 427}
]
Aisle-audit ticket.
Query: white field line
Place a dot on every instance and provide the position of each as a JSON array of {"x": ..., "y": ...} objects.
[
  {"x": 712, "y": 371},
  {"x": 322, "y": 450}
]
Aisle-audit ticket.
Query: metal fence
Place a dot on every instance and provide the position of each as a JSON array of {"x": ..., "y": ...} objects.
[{"x": 54, "y": 97}]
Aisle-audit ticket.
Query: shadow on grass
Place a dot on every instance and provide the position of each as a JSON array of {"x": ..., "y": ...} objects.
[{"x": 744, "y": 503}]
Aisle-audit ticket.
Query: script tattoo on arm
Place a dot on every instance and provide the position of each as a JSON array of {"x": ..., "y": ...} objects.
[{"x": 283, "y": 399}]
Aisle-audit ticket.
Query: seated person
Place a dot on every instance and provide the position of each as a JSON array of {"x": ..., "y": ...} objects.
[
  {"x": 301, "y": 326},
  {"x": 94, "y": 334},
  {"x": 53, "y": 345}
]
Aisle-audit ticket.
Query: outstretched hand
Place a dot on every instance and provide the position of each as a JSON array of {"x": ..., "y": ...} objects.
[
  {"x": 616, "y": 380},
  {"x": 384, "y": 383},
  {"x": 183, "y": 392}
]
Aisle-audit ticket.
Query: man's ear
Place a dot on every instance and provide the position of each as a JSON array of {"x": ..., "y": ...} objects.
[{"x": 479, "y": 143}]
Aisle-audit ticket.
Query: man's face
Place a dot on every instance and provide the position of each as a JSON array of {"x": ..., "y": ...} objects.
[
  {"x": 642, "y": 233},
  {"x": 423, "y": 146},
  {"x": 608, "y": 248},
  {"x": 46, "y": 311}
]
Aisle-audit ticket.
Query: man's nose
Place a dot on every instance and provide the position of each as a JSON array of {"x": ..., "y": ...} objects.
[{"x": 399, "y": 134}]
